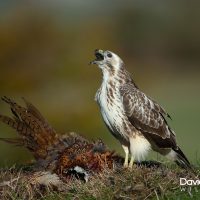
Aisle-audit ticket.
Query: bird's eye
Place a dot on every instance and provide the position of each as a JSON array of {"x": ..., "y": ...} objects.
[{"x": 109, "y": 55}]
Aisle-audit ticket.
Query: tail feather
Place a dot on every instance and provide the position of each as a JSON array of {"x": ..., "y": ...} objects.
[
  {"x": 24, "y": 115},
  {"x": 15, "y": 141},
  {"x": 36, "y": 113},
  {"x": 181, "y": 159},
  {"x": 34, "y": 130},
  {"x": 18, "y": 125}
]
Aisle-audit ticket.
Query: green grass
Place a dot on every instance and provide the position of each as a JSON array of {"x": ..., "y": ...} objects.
[{"x": 141, "y": 183}]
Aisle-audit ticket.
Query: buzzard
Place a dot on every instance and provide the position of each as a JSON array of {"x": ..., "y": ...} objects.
[{"x": 136, "y": 120}]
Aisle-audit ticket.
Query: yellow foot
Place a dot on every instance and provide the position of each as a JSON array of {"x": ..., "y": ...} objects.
[
  {"x": 125, "y": 164},
  {"x": 130, "y": 166},
  {"x": 126, "y": 156}
]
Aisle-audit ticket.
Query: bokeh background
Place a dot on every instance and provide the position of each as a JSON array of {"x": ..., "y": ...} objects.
[{"x": 45, "y": 48}]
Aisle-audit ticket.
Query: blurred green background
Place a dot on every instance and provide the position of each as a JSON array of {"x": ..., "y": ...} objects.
[{"x": 45, "y": 48}]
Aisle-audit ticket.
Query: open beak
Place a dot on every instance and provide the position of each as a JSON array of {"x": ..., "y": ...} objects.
[{"x": 99, "y": 56}]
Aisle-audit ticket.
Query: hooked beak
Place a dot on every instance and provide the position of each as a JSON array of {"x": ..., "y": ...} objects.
[{"x": 99, "y": 56}]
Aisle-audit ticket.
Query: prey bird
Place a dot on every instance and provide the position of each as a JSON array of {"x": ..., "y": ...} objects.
[
  {"x": 65, "y": 155},
  {"x": 136, "y": 120}
]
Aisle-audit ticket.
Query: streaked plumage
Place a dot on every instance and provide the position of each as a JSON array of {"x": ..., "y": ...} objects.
[{"x": 137, "y": 121}]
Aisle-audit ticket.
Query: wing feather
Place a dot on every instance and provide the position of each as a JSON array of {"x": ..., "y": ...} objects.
[{"x": 147, "y": 116}]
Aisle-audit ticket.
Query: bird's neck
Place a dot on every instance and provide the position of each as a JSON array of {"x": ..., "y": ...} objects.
[{"x": 118, "y": 77}]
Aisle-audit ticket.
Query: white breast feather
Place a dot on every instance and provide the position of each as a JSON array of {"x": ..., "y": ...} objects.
[{"x": 113, "y": 114}]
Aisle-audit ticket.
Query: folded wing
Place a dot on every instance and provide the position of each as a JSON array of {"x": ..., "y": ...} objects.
[{"x": 147, "y": 116}]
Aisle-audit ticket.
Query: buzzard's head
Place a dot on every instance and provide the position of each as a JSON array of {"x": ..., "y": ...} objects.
[{"x": 107, "y": 60}]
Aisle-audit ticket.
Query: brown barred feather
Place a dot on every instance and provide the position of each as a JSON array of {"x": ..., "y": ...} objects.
[
  {"x": 16, "y": 141},
  {"x": 35, "y": 131},
  {"x": 144, "y": 113}
]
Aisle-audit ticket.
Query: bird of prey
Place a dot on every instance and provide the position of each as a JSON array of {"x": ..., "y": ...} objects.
[{"x": 136, "y": 120}]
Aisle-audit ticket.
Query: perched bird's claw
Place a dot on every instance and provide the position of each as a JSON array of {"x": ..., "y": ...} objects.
[{"x": 125, "y": 165}]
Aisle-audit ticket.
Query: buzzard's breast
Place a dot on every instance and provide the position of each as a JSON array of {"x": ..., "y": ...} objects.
[{"x": 112, "y": 112}]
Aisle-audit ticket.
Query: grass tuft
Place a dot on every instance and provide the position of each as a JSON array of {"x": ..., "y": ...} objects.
[{"x": 143, "y": 182}]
